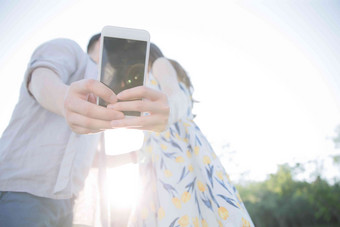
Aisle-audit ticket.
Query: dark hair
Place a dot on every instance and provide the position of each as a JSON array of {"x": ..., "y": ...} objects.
[
  {"x": 155, "y": 53},
  {"x": 181, "y": 73},
  {"x": 92, "y": 41},
  {"x": 182, "y": 76}
]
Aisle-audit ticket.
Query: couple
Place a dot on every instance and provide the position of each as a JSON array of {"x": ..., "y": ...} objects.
[{"x": 54, "y": 134}]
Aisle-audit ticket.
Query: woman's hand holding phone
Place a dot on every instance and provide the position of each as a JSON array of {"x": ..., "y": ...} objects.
[{"x": 142, "y": 99}]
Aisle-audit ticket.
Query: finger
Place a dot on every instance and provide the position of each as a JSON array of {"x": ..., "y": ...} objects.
[
  {"x": 78, "y": 120},
  {"x": 92, "y": 110},
  {"x": 141, "y": 92},
  {"x": 135, "y": 122},
  {"x": 95, "y": 87},
  {"x": 91, "y": 98},
  {"x": 153, "y": 123},
  {"x": 81, "y": 130},
  {"x": 137, "y": 105}
]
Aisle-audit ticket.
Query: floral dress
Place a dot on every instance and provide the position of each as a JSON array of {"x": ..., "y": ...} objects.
[{"x": 183, "y": 181}]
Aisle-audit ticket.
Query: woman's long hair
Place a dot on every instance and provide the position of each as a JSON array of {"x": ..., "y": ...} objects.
[{"x": 182, "y": 76}]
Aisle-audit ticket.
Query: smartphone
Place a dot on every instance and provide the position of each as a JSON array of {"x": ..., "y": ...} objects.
[{"x": 124, "y": 56}]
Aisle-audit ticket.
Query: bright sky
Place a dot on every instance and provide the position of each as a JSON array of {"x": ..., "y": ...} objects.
[{"x": 266, "y": 74}]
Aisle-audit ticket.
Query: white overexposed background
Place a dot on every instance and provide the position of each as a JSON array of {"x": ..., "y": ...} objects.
[{"x": 265, "y": 73}]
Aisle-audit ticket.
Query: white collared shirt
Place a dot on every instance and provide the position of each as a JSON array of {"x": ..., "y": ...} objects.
[{"x": 39, "y": 154}]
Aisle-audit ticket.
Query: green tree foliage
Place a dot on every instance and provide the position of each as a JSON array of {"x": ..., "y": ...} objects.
[{"x": 281, "y": 201}]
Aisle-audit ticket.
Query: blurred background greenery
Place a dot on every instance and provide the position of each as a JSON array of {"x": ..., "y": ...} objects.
[{"x": 283, "y": 200}]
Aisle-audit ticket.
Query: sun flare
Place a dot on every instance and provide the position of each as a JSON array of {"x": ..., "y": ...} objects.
[
  {"x": 123, "y": 185},
  {"x": 123, "y": 181}
]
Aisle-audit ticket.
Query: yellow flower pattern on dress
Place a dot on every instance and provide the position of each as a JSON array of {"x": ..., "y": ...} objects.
[
  {"x": 184, "y": 180},
  {"x": 167, "y": 173},
  {"x": 227, "y": 175},
  {"x": 167, "y": 135},
  {"x": 190, "y": 168},
  {"x": 220, "y": 175},
  {"x": 206, "y": 160},
  {"x": 179, "y": 159},
  {"x": 196, "y": 150},
  {"x": 186, "y": 196},
  {"x": 183, "y": 221},
  {"x": 195, "y": 222},
  {"x": 200, "y": 186},
  {"x": 164, "y": 147},
  {"x": 245, "y": 223},
  {"x": 186, "y": 125},
  {"x": 239, "y": 197},
  {"x": 161, "y": 213},
  {"x": 223, "y": 213},
  {"x": 177, "y": 202},
  {"x": 204, "y": 223}
]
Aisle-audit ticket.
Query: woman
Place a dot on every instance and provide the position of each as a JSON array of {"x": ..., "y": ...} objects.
[{"x": 184, "y": 183}]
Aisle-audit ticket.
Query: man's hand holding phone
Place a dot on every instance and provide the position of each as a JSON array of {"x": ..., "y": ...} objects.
[{"x": 82, "y": 113}]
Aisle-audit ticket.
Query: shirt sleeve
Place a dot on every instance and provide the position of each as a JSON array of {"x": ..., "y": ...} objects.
[
  {"x": 60, "y": 55},
  {"x": 179, "y": 101}
]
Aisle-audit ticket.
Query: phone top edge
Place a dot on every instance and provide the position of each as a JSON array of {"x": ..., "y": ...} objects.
[{"x": 123, "y": 32}]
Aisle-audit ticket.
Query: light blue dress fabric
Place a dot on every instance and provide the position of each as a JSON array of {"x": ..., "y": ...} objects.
[{"x": 184, "y": 182}]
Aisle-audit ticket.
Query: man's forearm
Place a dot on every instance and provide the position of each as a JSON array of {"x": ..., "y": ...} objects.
[
  {"x": 48, "y": 89},
  {"x": 76, "y": 102}
]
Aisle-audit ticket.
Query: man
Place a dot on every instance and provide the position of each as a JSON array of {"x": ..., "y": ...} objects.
[{"x": 50, "y": 142}]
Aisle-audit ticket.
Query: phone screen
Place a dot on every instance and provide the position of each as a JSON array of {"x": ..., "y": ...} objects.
[{"x": 122, "y": 65}]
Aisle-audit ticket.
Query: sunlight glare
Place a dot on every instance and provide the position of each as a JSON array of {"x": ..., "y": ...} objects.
[
  {"x": 123, "y": 185},
  {"x": 122, "y": 181},
  {"x": 120, "y": 141}
]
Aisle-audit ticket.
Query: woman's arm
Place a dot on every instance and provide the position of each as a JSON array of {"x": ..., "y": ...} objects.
[
  {"x": 166, "y": 75},
  {"x": 113, "y": 161}
]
